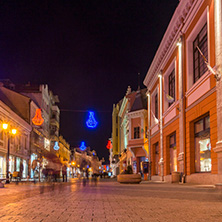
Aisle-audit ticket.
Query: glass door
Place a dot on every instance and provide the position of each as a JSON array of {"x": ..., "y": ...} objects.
[{"x": 1, "y": 167}]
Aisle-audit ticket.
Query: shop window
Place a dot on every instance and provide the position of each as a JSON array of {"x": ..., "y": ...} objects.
[
  {"x": 199, "y": 65},
  {"x": 171, "y": 90},
  {"x": 156, "y": 147},
  {"x": 173, "y": 153},
  {"x": 136, "y": 132},
  {"x": 202, "y": 145}
]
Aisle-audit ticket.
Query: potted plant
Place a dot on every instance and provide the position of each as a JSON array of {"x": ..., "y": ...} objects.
[{"x": 128, "y": 176}]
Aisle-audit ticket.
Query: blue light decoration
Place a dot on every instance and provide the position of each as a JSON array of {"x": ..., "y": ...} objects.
[
  {"x": 82, "y": 146},
  {"x": 56, "y": 146},
  {"x": 91, "y": 122}
]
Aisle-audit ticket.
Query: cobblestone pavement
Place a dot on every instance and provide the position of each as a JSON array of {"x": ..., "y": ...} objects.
[{"x": 111, "y": 201}]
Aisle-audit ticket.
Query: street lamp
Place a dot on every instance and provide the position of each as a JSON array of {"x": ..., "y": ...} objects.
[
  {"x": 13, "y": 131},
  {"x": 73, "y": 163}
]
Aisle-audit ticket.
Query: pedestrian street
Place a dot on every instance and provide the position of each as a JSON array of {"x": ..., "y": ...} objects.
[{"x": 110, "y": 201}]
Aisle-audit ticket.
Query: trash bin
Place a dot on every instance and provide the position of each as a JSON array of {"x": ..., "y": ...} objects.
[{"x": 175, "y": 177}]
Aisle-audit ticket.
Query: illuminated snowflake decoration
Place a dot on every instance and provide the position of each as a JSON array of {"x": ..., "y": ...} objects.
[
  {"x": 82, "y": 146},
  {"x": 91, "y": 122}
]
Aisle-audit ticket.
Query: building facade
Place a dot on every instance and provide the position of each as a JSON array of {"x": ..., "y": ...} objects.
[
  {"x": 15, "y": 146},
  {"x": 183, "y": 82},
  {"x": 130, "y": 145},
  {"x": 25, "y": 101}
]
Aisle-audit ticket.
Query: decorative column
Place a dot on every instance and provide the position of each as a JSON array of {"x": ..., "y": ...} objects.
[
  {"x": 149, "y": 142},
  {"x": 161, "y": 163},
  {"x": 218, "y": 57},
  {"x": 181, "y": 107}
]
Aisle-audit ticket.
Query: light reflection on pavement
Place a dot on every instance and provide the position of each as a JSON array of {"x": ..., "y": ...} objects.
[{"x": 110, "y": 201}]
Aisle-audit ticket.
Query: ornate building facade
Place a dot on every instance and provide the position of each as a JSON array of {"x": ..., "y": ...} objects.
[{"x": 184, "y": 96}]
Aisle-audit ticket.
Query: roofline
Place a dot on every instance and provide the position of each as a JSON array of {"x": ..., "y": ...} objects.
[{"x": 171, "y": 34}]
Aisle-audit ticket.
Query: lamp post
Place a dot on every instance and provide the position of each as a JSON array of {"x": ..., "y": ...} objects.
[
  {"x": 73, "y": 163},
  {"x": 13, "y": 131}
]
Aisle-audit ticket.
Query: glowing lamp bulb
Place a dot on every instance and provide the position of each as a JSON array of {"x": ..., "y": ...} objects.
[
  {"x": 179, "y": 43},
  {"x": 14, "y": 131},
  {"x": 5, "y": 126},
  {"x": 159, "y": 76}
]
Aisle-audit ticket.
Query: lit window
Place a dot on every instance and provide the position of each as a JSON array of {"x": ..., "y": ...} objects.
[{"x": 202, "y": 145}]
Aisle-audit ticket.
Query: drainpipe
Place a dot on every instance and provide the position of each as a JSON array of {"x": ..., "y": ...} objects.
[{"x": 161, "y": 125}]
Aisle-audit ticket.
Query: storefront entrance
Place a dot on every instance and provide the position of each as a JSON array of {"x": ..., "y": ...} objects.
[
  {"x": 173, "y": 153},
  {"x": 1, "y": 167}
]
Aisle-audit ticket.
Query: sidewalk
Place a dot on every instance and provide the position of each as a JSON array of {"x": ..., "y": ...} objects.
[
  {"x": 23, "y": 187},
  {"x": 193, "y": 185}
]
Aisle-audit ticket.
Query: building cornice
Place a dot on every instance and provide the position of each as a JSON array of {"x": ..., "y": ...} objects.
[
  {"x": 171, "y": 34},
  {"x": 138, "y": 113},
  {"x": 9, "y": 114}
]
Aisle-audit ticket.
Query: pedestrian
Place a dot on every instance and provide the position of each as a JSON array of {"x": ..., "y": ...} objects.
[
  {"x": 64, "y": 173},
  {"x": 87, "y": 174},
  {"x": 21, "y": 170}
]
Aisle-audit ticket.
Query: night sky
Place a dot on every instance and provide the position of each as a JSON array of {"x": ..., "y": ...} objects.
[{"x": 88, "y": 52}]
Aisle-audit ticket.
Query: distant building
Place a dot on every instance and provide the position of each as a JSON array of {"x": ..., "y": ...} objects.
[
  {"x": 85, "y": 160},
  {"x": 129, "y": 122},
  {"x": 25, "y": 100}
]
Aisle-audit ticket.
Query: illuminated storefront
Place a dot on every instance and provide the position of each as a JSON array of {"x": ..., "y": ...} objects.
[
  {"x": 202, "y": 145},
  {"x": 2, "y": 166}
]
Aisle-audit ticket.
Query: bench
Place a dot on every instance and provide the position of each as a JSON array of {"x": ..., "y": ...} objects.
[
  {"x": 1, "y": 184},
  {"x": 16, "y": 175}
]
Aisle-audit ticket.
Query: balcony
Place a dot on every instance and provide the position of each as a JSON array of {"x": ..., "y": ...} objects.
[{"x": 54, "y": 122}]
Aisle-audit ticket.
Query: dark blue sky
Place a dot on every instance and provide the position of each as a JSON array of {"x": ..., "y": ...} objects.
[{"x": 88, "y": 52}]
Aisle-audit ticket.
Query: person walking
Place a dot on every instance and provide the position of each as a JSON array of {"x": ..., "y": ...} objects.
[
  {"x": 21, "y": 170},
  {"x": 64, "y": 173}
]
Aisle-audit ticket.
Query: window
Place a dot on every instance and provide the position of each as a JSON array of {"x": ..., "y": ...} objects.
[
  {"x": 136, "y": 132},
  {"x": 199, "y": 66},
  {"x": 156, "y": 105},
  {"x": 202, "y": 145},
  {"x": 171, "y": 89},
  {"x": 146, "y": 133},
  {"x": 173, "y": 153}
]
